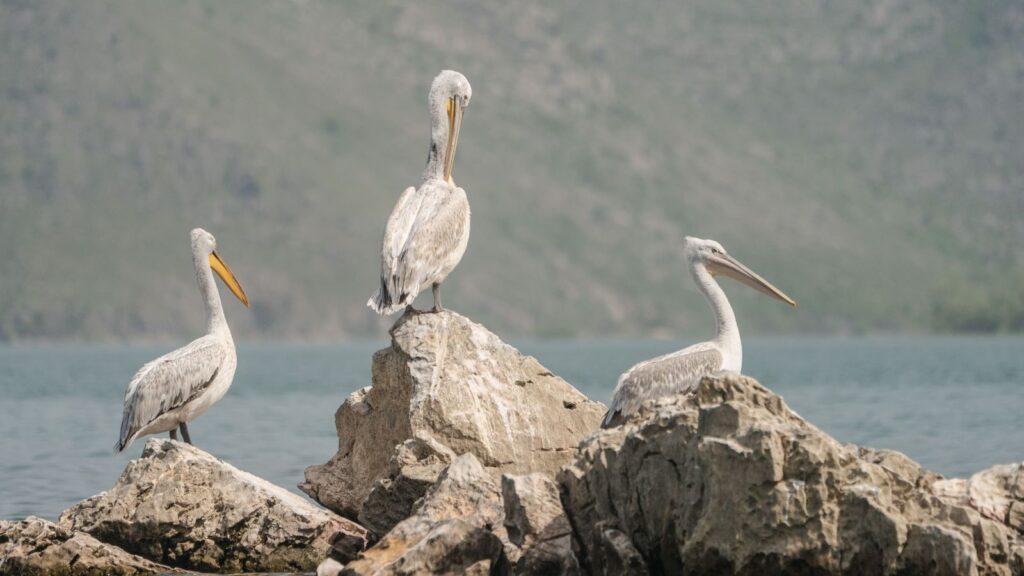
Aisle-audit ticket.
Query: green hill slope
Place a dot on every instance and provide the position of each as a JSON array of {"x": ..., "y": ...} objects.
[{"x": 867, "y": 159}]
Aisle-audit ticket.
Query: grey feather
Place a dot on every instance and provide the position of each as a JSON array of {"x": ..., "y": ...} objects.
[
  {"x": 169, "y": 382},
  {"x": 423, "y": 241},
  {"x": 662, "y": 376}
]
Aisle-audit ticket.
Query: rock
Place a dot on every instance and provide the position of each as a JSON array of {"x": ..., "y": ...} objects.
[
  {"x": 329, "y": 567},
  {"x": 728, "y": 480},
  {"x": 551, "y": 552},
  {"x": 185, "y": 508},
  {"x": 531, "y": 503},
  {"x": 449, "y": 532},
  {"x": 996, "y": 493},
  {"x": 37, "y": 547},
  {"x": 537, "y": 526},
  {"x": 452, "y": 388},
  {"x": 413, "y": 468}
]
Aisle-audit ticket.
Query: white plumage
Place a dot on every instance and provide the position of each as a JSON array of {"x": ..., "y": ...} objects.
[
  {"x": 176, "y": 388},
  {"x": 675, "y": 372},
  {"x": 428, "y": 230}
]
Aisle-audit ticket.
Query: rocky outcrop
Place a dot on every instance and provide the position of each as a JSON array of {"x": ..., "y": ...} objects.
[
  {"x": 446, "y": 386},
  {"x": 36, "y": 547},
  {"x": 180, "y": 506},
  {"x": 728, "y": 480},
  {"x": 452, "y": 529}
]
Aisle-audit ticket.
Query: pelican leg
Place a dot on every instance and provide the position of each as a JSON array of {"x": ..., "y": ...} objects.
[
  {"x": 437, "y": 298},
  {"x": 184, "y": 432},
  {"x": 174, "y": 434}
]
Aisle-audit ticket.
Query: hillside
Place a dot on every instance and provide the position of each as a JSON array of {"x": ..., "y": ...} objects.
[{"x": 867, "y": 159}]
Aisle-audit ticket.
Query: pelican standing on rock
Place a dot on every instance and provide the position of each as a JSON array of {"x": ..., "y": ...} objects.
[
  {"x": 176, "y": 388},
  {"x": 428, "y": 230},
  {"x": 674, "y": 372}
]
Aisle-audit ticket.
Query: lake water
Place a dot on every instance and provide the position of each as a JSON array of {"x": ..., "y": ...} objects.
[{"x": 955, "y": 405}]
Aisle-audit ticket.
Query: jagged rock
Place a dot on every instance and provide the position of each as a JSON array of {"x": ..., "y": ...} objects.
[
  {"x": 615, "y": 555},
  {"x": 413, "y": 468},
  {"x": 449, "y": 532},
  {"x": 551, "y": 552},
  {"x": 185, "y": 508},
  {"x": 453, "y": 388},
  {"x": 728, "y": 480},
  {"x": 36, "y": 547},
  {"x": 996, "y": 493},
  {"x": 537, "y": 526},
  {"x": 531, "y": 503}
]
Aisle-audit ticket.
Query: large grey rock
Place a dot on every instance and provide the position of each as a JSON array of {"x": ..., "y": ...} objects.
[
  {"x": 183, "y": 507},
  {"x": 445, "y": 386},
  {"x": 727, "y": 479},
  {"x": 451, "y": 531},
  {"x": 36, "y": 547}
]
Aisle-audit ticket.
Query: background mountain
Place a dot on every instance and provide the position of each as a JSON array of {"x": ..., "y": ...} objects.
[{"x": 868, "y": 158}]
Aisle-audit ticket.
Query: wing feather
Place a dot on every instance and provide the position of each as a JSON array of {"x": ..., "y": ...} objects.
[
  {"x": 169, "y": 382},
  {"x": 423, "y": 232},
  {"x": 662, "y": 376}
]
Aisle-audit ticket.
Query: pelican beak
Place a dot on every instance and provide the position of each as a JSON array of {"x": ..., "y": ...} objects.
[
  {"x": 454, "y": 124},
  {"x": 222, "y": 270},
  {"x": 728, "y": 266}
]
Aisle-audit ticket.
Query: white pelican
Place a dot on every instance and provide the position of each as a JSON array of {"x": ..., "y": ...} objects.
[
  {"x": 176, "y": 388},
  {"x": 674, "y": 372},
  {"x": 427, "y": 232}
]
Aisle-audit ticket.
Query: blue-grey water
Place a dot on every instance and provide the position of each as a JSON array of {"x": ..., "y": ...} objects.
[{"x": 954, "y": 404}]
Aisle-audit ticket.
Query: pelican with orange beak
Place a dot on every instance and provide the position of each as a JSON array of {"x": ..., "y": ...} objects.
[
  {"x": 675, "y": 372},
  {"x": 171, "y": 391},
  {"x": 428, "y": 230}
]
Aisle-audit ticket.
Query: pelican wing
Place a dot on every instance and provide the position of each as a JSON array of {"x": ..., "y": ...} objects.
[
  {"x": 169, "y": 382},
  {"x": 396, "y": 234},
  {"x": 662, "y": 376},
  {"x": 423, "y": 232}
]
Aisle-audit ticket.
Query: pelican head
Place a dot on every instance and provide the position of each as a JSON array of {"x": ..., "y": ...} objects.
[
  {"x": 204, "y": 247},
  {"x": 449, "y": 96},
  {"x": 711, "y": 256}
]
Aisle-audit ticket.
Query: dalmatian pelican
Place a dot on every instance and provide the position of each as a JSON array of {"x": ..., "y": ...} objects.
[
  {"x": 171, "y": 391},
  {"x": 428, "y": 230},
  {"x": 675, "y": 372}
]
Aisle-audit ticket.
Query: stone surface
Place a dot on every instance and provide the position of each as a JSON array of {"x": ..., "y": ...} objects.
[
  {"x": 37, "y": 547},
  {"x": 329, "y": 567},
  {"x": 531, "y": 503},
  {"x": 451, "y": 530},
  {"x": 727, "y": 479},
  {"x": 451, "y": 387},
  {"x": 996, "y": 493},
  {"x": 537, "y": 526},
  {"x": 183, "y": 507},
  {"x": 413, "y": 468}
]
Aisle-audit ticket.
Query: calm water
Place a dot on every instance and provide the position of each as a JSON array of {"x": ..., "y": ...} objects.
[{"x": 953, "y": 404}]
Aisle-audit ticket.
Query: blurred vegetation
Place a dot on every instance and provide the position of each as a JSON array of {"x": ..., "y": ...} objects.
[
  {"x": 958, "y": 306},
  {"x": 867, "y": 157}
]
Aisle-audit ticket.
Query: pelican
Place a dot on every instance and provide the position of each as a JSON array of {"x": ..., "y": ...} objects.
[
  {"x": 428, "y": 230},
  {"x": 176, "y": 388},
  {"x": 674, "y": 372}
]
